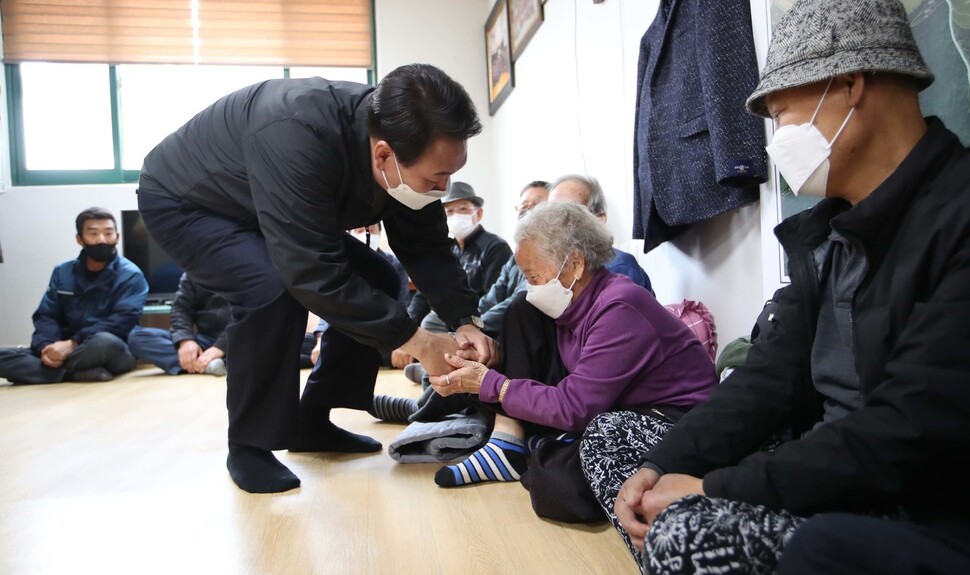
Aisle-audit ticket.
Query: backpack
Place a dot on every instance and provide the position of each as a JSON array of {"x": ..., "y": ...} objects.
[{"x": 699, "y": 320}]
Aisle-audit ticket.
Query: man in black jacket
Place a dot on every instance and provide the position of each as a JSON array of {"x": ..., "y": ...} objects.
[
  {"x": 252, "y": 198},
  {"x": 865, "y": 362},
  {"x": 481, "y": 253},
  {"x": 197, "y": 341}
]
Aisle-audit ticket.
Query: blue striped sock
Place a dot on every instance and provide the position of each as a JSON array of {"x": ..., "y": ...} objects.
[{"x": 501, "y": 459}]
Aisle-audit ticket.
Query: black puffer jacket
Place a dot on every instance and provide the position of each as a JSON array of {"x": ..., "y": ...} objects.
[{"x": 292, "y": 158}]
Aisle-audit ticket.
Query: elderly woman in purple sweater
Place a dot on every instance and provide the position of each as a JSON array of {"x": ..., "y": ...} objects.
[{"x": 583, "y": 341}]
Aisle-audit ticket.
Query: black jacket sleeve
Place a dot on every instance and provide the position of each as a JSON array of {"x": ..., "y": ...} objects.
[
  {"x": 419, "y": 239},
  {"x": 295, "y": 174},
  {"x": 901, "y": 443},
  {"x": 759, "y": 399}
]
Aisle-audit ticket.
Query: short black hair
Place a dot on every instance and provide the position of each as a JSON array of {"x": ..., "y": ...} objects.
[
  {"x": 93, "y": 214},
  {"x": 417, "y": 103}
]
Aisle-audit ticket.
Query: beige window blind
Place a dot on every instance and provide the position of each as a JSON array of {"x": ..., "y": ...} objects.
[{"x": 254, "y": 32}]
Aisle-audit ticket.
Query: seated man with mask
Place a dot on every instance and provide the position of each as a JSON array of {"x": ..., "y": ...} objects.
[
  {"x": 82, "y": 323},
  {"x": 482, "y": 254},
  {"x": 865, "y": 361}
]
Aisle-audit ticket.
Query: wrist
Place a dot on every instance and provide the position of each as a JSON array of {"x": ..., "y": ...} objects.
[
  {"x": 472, "y": 320},
  {"x": 503, "y": 390}
]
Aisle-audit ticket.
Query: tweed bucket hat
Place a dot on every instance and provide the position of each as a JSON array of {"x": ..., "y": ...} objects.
[{"x": 820, "y": 39}]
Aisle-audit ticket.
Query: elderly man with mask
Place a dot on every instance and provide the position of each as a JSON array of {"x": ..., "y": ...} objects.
[
  {"x": 481, "y": 253},
  {"x": 865, "y": 364}
]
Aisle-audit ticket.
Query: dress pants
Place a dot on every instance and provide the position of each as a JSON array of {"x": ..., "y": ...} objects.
[{"x": 229, "y": 257}]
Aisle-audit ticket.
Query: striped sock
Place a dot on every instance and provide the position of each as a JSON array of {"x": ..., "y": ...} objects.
[
  {"x": 501, "y": 459},
  {"x": 390, "y": 408}
]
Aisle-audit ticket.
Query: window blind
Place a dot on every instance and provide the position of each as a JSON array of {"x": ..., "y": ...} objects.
[{"x": 284, "y": 33}]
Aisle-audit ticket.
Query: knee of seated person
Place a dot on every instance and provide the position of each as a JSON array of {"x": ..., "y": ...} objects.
[{"x": 105, "y": 340}]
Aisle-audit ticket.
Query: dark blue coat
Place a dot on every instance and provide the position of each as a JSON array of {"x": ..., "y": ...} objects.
[
  {"x": 75, "y": 307},
  {"x": 697, "y": 152}
]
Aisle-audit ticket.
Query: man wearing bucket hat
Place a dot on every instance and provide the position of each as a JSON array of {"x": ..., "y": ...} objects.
[
  {"x": 865, "y": 368},
  {"x": 481, "y": 253}
]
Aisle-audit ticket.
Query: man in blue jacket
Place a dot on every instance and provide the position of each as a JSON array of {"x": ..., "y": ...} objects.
[{"x": 83, "y": 320}]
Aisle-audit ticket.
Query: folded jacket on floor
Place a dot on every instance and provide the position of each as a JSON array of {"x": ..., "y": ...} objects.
[{"x": 454, "y": 437}]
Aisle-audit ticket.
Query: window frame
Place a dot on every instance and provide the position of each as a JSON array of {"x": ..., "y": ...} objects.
[{"x": 21, "y": 176}]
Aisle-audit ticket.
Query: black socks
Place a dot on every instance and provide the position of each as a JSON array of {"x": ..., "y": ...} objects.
[
  {"x": 318, "y": 433},
  {"x": 258, "y": 471}
]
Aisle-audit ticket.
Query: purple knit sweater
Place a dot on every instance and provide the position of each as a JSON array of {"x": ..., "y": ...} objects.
[{"x": 621, "y": 349}]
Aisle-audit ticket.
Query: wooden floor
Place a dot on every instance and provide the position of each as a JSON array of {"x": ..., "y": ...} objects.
[{"x": 129, "y": 477}]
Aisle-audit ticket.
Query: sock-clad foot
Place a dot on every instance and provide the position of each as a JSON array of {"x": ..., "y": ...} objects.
[
  {"x": 93, "y": 374},
  {"x": 216, "y": 367},
  {"x": 503, "y": 458},
  {"x": 329, "y": 437},
  {"x": 390, "y": 408},
  {"x": 258, "y": 471},
  {"x": 414, "y": 372}
]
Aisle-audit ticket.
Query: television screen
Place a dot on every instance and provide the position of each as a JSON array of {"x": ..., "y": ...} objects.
[{"x": 138, "y": 246}]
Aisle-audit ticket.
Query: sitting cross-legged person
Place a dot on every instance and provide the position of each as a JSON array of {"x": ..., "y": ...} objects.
[
  {"x": 84, "y": 317},
  {"x": 865, "y": 363},
  {"x": 196, "y": 343},
  {"x": 583, "y": 341}
]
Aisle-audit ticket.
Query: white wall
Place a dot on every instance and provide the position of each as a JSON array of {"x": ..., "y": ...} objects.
[
  {"x": 571, "y": 111},
  {"x": 448, "y": 34}
]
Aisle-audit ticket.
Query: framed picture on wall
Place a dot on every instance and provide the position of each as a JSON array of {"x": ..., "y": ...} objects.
[
  {"x": 498, "y": 56},
  {"x": 525, "y": 17}
]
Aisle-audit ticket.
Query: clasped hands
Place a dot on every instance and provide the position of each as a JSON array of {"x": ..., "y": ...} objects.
[
  {"x": 55, "y": 354},
  {"x": 450, "y": 360},
  {"x": 646, "y": 494}
]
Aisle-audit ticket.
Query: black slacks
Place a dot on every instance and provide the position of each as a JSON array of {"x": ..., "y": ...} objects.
[
  {"x": 230, "y": 258},
  {"x": 843, "y": 544}
]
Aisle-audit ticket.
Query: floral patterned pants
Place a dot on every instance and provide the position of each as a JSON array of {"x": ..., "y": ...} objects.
[{"x": 693, "y": 535}]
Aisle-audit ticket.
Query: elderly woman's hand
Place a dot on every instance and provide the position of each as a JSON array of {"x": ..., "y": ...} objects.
[{"x": 466, "y": 378}]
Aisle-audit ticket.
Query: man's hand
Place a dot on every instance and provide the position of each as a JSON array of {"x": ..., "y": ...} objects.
[
  {"x": 670, "y": 488},
  {"x": 628, "y": 505},
  {"x": 206, "y": 357},
  {"x": 430, "y": 349},
  {"x": 54, "y": 354},
  {"x": 476, "y": 346},
  {"x": 467, "y": 377},
  {"x": 315, "y": 353},
  {"x": 189, "y": 351},
  {"x": 400, "y": 358}
]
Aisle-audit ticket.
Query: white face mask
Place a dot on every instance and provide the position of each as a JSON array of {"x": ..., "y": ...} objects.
[
  {"x": 373, "y": 241},
  {"x": 460, "y": 225},
  {"x": 551, "y": 298},
  {"x": 801, "y": 153},
  {"x": 407, "y": 196}
]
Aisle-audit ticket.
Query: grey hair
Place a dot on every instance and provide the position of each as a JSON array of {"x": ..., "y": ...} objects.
[
  {"x": 597, "y": 199},
  {"x": 559, "y": 230}
]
